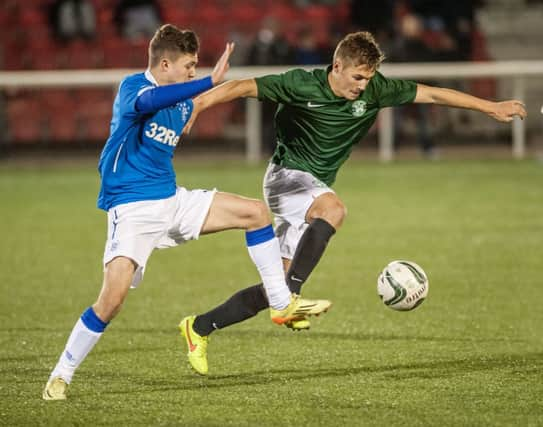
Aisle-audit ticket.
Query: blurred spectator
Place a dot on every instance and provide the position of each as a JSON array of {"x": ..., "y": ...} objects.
[
  {"x": 137, "y": 19},
  {"x": 410, "y": 46},
  {"x": 270, "y": 48},
  {"x": 72, "y": 19},
  {"x": 243, "y": 44},
  {"x": 451, "y": 25}
]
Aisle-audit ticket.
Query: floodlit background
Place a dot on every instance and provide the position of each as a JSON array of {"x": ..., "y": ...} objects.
[{"x": 49, "y": 35}]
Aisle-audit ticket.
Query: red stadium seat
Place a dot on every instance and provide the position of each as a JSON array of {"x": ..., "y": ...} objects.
[
  {"x": 178, "y": 16},
  {"x": 247, "y": 18},
  {"x": 14, "y": 55},
  {"x": 94, "y": 109},
  {"x": 188, "y": 5},
  {"x": 318, "y": 13},
  {"x": 94, "y": 96},
  {"x": 343, "y": 12},
  {"x": 84, "y": 55},
  {"x": 25, "y": 123},
  {"x": 44, "y": 60},
  {"x": 31, "y": 17},
  {"x": 42, "y": 53},
  {"x": 210, "y": 16},
  {"x": 116, "y": 53},
  {"x": 26, "y": 130},
  {"x": 90, "y": 107},
  {"x": 138, "y": 49},
  {"x": 96, "y": 128},
  {"x": 5, "y": 26},
  {"x": 60, "y": 112},
  {"x": 63, "y": 131},
  {"x": 55, "y": 98},
  {"x": 212, "y": 47},
  {"x": 285, "y": 14},
  {"x": 319, "y": 18}
]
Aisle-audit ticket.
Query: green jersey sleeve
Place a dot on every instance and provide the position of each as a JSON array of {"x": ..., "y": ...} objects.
[
  {"x": 282, "y": 88},
  {"x": 392, "y": 92}
]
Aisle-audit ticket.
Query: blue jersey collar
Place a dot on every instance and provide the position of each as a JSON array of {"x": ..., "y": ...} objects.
[{"x": 149, "y": 76}]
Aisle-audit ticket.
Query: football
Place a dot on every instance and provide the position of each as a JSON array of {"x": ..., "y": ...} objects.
[{"x": 402, "y": 285}]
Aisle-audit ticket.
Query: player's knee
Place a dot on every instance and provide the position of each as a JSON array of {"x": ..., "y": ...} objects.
[
  {"x": 333, "y": 212},
  {"x": 340, "y": 212},
  {"x": 336, "y": 214},
  {"x": 257, "y": 214}
]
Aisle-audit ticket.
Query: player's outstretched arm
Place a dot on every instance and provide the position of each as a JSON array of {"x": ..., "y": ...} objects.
[
  {"x": 225, "y": 92},
  {"x": 503, "y": 111},
  {"x": 167, "y": 95}
]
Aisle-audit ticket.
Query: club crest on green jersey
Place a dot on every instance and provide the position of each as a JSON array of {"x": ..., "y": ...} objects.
[{"x": 358, "y": 108}]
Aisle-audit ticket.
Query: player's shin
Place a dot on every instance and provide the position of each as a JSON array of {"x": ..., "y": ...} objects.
[
  {"x": 85, "y": 334},
  {"x": 239, "y": 307},
  {"x": 263, "y": 248},
  {"x": 308, "y": 253}
]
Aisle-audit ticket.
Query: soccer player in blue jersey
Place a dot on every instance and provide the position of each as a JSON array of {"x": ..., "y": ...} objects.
[{"x": 147, "y": 210}]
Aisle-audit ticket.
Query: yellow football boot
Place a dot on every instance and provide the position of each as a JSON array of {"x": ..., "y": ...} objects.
[
  {"x": 298, "y": 310},
  {"x": 197, "y": 345},
  {"x": 298, "y": 325}
]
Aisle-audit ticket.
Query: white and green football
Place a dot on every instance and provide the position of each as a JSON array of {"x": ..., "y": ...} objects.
[{"x": 402, "y": 285}]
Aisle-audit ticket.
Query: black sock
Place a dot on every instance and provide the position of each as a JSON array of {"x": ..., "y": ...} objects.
[
  {"x": 240, "y": 306},
  {"x": 308, "y": 253},
  {"x": 249, "y": 301}
]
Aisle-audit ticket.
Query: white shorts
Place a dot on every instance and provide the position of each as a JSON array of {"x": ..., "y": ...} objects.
[
  {"x": 289, "y": 194},
  {"x": 135, "y": 229}
]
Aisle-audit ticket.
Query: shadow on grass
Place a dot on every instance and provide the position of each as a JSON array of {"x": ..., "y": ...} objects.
[
  {"x": 251, "y": 334},
  {"x": 529, "y": 363},
  {"x": 358, "y": 336}
]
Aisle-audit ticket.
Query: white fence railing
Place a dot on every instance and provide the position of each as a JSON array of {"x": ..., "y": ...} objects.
[{"x": 518, "y": 71}]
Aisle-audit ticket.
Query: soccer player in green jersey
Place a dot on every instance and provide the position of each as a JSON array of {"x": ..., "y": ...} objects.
[{"x": 321, "y": 115}]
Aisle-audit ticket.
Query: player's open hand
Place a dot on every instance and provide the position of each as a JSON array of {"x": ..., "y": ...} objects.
[
  {"x": 507, "y": 110},
  {"x": 222, "y": 65}
]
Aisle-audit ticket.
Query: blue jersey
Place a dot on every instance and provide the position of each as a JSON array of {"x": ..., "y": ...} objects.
[{"x": 136, "y": 162}]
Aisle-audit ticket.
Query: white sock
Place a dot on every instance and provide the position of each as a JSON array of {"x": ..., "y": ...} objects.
[
  {"x": 264, "y": 250},
  {"x": 80, "y": 343}
]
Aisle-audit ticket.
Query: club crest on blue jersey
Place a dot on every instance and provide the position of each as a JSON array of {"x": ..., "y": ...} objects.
[
  {"x": 185, "y": 111},
  {"x": 358, "y": 108}
]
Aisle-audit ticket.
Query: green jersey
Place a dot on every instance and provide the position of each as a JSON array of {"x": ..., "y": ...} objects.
[{"x": 316, "y": 130}]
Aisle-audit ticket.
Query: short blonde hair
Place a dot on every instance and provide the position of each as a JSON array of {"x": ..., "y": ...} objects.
[{"x": 360, "y": 48}]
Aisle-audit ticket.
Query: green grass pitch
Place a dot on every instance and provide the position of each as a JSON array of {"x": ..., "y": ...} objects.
[{"x": 471, "y": 355}]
